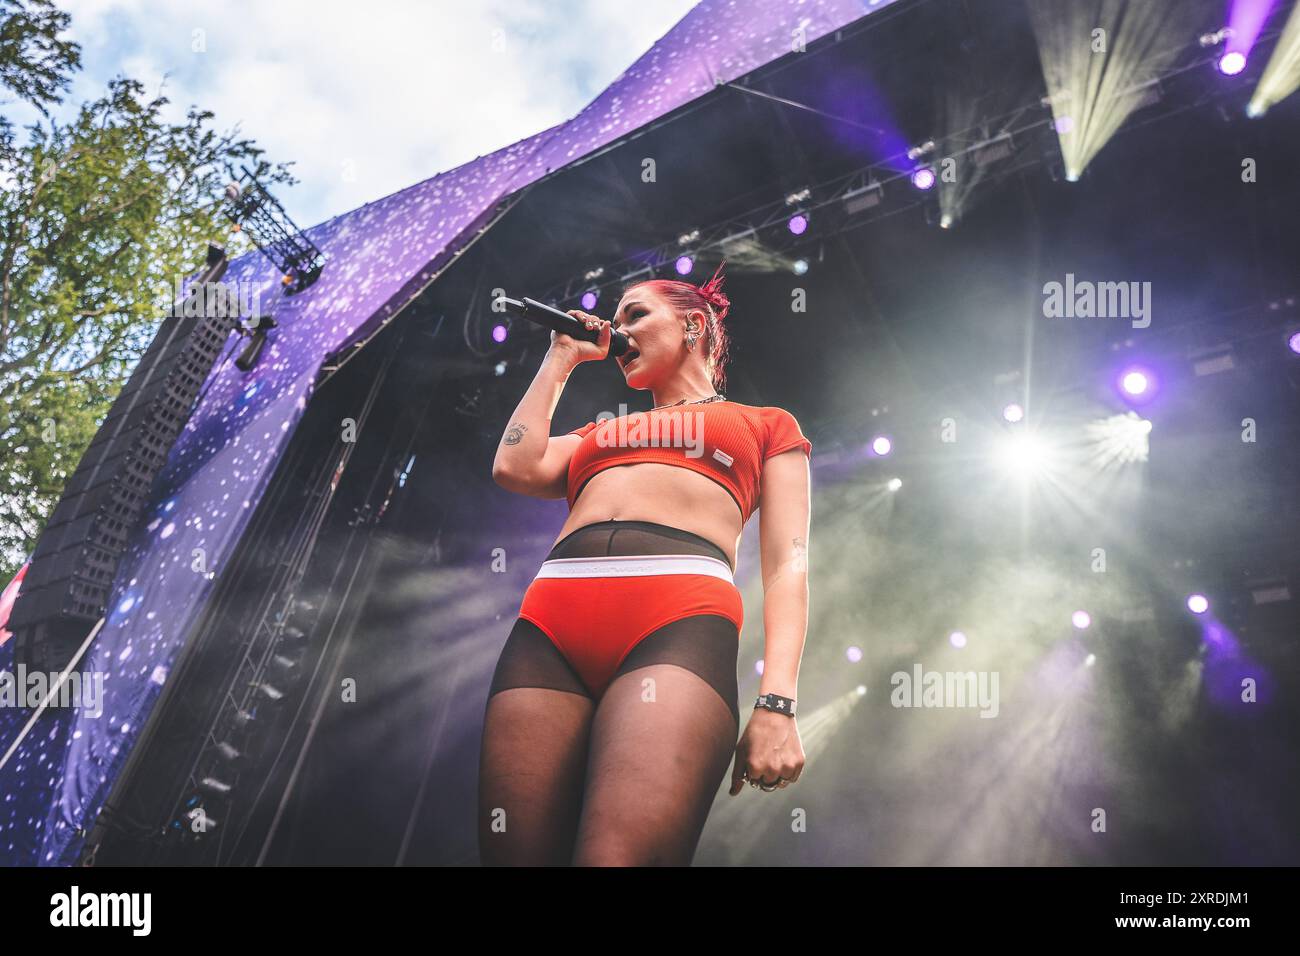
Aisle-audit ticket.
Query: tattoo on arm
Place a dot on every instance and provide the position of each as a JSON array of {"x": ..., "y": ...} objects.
[{"x": 515, "y": 433}]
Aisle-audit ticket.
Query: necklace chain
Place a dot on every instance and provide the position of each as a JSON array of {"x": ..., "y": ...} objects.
[{"x": 719, "y": 397}]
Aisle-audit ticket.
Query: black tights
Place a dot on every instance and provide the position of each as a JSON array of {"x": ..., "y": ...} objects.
[{"x": 624, "y": 780}]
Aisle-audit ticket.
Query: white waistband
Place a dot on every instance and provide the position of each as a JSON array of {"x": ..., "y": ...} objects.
[{"x": 618, "y": 566}]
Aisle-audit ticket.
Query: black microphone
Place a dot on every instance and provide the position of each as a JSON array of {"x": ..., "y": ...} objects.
[{"x": 542, "y": 314}]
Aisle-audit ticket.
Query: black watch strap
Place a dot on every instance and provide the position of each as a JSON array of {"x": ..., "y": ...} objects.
[{"x": 775, "y": 702}]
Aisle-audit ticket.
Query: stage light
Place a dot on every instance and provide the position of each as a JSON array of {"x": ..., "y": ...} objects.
[
  {"x": 957, "y": 639},
  {"x": 1198, "y": 603},
  {"x": 945, "y": 221},
  {"x": 1293, "y": 343},
  {"x": 499, "y": 333},
  {"x": 1022, "y": 456},
  {"x": 854, "y": 654},
  {"x": 1101, "y": 100},
  {"x": 685, "y": 265},
  {"x": 923, "y": 178},
  {"x": 881, "y": 445},
  {"x": 1232, "y": 63},
  {"x": 499, "y": 368},
  {"x": 1081, "y": 619},
  {"x": 589, "y": 299},
  {"x": 1063, "y": 125},
  {"x": 916, "y": 152},
  {"x": 1013, "y": 413},
  {"x": 1281, "y": 75},
  {"x": 894, "y": 484},
  {"x": 863, "y": 198},
  {"x": 1118, "y": 440},
  {"x": 798, "y": 224},
  {"x": 1090, "y": 660},
  {"x": 1137, "y": 384},
  {"x": 800, "y": 266},
  {"x": 215, "y": 787}
]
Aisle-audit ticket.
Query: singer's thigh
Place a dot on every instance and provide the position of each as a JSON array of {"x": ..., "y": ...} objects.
[
  {"x": 655, "y": 764},
  {"x": 533, "y": 755}
]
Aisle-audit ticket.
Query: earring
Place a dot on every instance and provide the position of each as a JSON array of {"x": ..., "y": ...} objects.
[{"x": 691, "y": 337}]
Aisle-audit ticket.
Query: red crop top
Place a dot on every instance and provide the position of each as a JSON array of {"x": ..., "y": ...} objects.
[{"x": 725, "y": 441}]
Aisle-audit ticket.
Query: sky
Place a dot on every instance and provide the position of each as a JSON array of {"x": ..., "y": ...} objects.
[{"x": 369, "y": 97}]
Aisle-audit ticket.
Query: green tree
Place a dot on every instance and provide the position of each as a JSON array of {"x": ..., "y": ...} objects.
[{"x": 99, "y": 216}]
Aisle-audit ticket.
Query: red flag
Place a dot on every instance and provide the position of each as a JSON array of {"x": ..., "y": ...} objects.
[{"x": 7, "y": 599}]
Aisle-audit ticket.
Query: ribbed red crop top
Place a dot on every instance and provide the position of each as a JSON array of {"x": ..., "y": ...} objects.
[{"x": 725, "y": 441}]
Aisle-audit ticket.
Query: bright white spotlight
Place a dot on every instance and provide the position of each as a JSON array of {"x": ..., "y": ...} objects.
[
  {"x": 894, "y": 484},
  {"x": 1232, "y": 63},
  {"x": 1022, "y": 455},
  {"x": 800, "y": 266},
  {"x": 957, "y": 639},
  {"x": 1013, "y": 413},
  {"x": 1118, "y": 440},
  {"x": 1081, "y": 619},
  {"x": 1198, "y": 603},
  {"x": 1090, "y": 660},
  {"x": 881, "y": 445}
]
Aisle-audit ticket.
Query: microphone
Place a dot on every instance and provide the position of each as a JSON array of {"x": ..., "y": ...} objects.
[{"x": 542, "y": 314}]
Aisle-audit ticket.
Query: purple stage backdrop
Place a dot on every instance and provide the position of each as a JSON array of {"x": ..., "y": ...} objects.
[{"x": 378, "y": 258}]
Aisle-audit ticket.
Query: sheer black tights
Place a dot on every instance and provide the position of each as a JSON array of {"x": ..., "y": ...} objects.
[{"x": 626, "y": 780}]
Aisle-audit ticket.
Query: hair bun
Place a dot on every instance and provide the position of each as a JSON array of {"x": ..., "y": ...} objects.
[{"x": 713, "y": 294}]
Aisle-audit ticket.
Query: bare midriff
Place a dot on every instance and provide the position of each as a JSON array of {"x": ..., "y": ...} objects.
[{"x": 664, "y": 494}]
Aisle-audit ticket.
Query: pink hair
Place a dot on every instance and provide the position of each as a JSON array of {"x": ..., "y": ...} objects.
[{"x": 713, "y": 302}]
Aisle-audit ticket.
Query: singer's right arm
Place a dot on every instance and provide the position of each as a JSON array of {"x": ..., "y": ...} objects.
[{"x": 528, "y": 460}]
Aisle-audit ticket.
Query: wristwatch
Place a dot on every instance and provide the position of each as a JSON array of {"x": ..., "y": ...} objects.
[{"x": 775, "y": 702}]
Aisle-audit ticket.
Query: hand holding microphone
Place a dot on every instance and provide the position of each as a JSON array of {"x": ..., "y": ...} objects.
[
  {"x": 582, "y": 350},
  {"x": 579, "y": 334}
]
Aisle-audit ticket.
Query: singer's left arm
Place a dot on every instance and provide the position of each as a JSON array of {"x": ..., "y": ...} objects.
[{"x": 770, "y": 746}]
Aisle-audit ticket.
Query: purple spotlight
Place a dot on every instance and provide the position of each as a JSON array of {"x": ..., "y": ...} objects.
[
  {"x": 923, "y": 178},
  {"x": 1293, "y": 343},
  {"x": 1063, "y": 125},
  {"x": 854, "y": 654},
  {"x": 957, "y": 639},
  {"x": 1081, "y": 619},
  {"x": 589, "y": 299},
  {"x": 498, "y": 333},
  {"x": 1198, "y": 603},
  {"x": 685, "y": 265},
  {"x": 798, "y": 223},
  {"x": 1137, "y": 384},
  {"x": 1232, "y": 63},
  {"x": 881, "y": 445}
]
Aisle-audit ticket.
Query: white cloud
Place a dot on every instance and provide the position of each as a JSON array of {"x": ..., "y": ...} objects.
[{"x": 370, "y": 97}]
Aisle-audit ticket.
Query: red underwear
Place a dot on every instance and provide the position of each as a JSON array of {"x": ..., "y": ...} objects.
[{"x": 600, "y": 608}]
